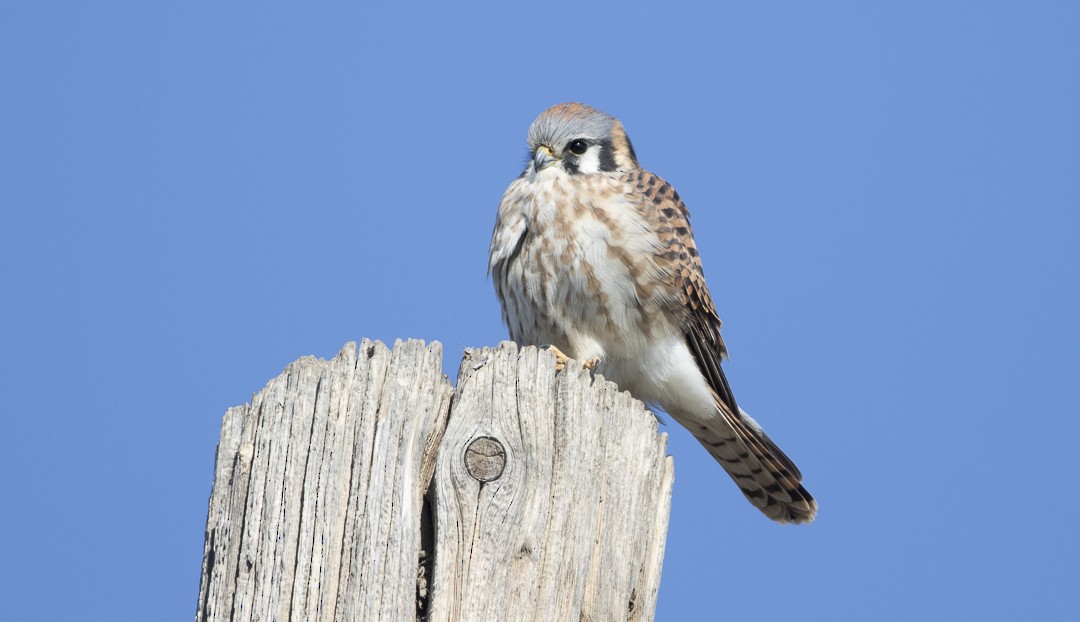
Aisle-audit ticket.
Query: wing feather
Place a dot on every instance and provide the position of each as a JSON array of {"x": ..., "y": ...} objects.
[{"x": 767, "y": 477}]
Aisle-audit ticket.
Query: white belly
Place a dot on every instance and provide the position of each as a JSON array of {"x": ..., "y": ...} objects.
[{"x": 582, "y": 274}]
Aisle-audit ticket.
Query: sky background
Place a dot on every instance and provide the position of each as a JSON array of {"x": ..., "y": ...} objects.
[{"x": 886, "y": 200}]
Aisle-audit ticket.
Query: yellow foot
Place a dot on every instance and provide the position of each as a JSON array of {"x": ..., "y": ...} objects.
[{"x": 560, "y": 358}]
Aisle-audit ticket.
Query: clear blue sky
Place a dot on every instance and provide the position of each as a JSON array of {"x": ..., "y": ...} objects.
[{"x": 885, "y": 197}]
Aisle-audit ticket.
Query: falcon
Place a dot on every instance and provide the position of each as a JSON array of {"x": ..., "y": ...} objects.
[{"x": 594, "y": 257}]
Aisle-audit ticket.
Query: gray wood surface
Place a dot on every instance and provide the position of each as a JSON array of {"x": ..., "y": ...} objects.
[{"x": 549, "y": 493}]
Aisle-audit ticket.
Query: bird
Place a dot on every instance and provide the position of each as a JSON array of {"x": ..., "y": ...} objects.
[{"x": 593, "y": 257}]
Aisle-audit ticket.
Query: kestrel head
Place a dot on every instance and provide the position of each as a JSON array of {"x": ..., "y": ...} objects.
[{"x": 579, "y": 140}]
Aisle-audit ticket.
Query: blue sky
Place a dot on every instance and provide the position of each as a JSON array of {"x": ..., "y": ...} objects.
[{"x": 885, "y": 199}]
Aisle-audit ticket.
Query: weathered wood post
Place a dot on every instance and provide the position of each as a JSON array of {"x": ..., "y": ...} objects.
[{"x": 366, "y": 488}]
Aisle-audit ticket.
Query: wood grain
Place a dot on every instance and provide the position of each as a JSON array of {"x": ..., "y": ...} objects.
[
  {"x": 574, "y": 527},
  {"x": 549, "y": 493}
]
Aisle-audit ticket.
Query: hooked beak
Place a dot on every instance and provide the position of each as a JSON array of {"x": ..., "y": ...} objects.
[{"x": 543, "y": 157}]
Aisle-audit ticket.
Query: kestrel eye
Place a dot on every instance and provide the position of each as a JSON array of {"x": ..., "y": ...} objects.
[{"x": 578, "y": 147}]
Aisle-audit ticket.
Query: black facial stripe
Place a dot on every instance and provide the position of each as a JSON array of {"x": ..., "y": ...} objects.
[
  {"x": 607, "y": 156},
  {"x": 570, "y": 164}
]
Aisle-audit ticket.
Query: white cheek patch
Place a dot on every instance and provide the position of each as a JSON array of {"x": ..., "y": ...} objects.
[{"x": 590, "y": 162}]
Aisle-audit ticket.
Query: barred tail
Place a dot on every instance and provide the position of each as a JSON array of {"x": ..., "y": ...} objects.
[{"x": 768, "y": 478}]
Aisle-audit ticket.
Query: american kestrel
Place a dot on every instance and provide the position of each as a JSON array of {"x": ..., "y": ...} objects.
[{"x": 594, "y": 256}]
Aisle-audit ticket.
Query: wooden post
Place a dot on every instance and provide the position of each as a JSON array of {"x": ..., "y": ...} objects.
[{"x": 366, "y": 488}]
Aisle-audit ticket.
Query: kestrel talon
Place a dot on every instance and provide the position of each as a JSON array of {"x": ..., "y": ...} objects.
[{"x": 594, "y": 255}]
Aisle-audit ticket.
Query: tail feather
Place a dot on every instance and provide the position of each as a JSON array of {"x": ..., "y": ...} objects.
[
  {"x": 764, "y": 474},
  {"x": 768, "y": 478}
]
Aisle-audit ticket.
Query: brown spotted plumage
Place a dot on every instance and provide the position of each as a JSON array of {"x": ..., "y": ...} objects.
[{"x": 595, "y": 256}]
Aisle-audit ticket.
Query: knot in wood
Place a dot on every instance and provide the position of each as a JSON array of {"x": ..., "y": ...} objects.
[{"x": 485, "y": 459}]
